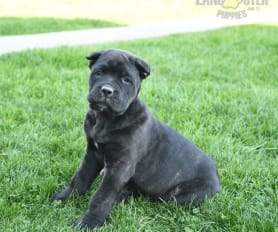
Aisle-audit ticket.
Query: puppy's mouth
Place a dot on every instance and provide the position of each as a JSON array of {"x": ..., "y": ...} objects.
[
  {"x": 99, "y": 106},
  {"x": 106, "y": 108}
]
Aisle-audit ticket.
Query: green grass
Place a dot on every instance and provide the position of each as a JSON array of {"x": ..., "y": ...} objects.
[
  {"x": 218, "y": 88},
  {"x": 17, "y": 26}
]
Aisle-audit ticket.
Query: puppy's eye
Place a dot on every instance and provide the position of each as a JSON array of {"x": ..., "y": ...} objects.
[
  {"x": 125, "y": 80},
  {"x": 97, "y": 73}
]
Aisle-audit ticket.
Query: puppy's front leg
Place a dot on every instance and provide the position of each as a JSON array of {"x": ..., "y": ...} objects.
[
  {"x": 115, "y": 177},
  {"x": 83, "y": 177}
]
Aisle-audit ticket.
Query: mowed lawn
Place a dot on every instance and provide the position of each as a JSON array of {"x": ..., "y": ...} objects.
[
  {"x": 217, "y": 88},
  {"x": 33, "y": 25}
]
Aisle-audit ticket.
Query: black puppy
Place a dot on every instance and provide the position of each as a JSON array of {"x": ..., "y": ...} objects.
[{"x": 137, "y": 152}]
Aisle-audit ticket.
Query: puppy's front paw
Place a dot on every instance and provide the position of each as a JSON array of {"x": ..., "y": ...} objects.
[
  {"x": 58, "y": 197},
  {"x": 61, "y": 196},
  {"x": 88, "y": 221}
]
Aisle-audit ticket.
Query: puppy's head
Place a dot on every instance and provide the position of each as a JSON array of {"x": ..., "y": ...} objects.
[{"x": 115, "y": 80}]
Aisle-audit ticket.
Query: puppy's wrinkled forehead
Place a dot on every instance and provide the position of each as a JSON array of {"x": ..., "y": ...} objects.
[
  {"x": 117, "y": 60},
  {"x": 114, "y": 59}
]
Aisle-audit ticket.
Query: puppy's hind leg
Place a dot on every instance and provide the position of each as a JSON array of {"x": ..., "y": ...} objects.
[
  {"x": 194, "y": 191},
  {"x": 126, "y": 193}
]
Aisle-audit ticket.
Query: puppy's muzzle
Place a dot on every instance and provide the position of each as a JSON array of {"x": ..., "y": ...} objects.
[{"x": 107, "y": 90}]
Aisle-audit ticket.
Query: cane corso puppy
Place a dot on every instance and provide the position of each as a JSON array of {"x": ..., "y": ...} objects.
[{"x": 139, "y": 154}]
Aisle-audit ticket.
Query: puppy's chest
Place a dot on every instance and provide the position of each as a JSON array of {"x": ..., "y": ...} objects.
[
  {"x": 99, "y": 134},
  {"x": 108, "y": 148},
  {"x": 98, "y": 138}
]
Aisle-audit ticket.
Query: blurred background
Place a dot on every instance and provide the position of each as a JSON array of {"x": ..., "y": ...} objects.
[{"x": 123, "y": 12}]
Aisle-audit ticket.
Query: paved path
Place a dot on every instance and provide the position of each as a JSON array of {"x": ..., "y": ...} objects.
[{"x": 95, "y": 36}]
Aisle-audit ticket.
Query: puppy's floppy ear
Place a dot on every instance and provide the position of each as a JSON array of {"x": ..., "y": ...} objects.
[
  {"x": 93, "y": 58},
  {"x": 143, "y": 68}
]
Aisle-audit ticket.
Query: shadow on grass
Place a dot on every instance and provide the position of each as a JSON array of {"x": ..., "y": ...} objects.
[{"x": 17, "y": 26}]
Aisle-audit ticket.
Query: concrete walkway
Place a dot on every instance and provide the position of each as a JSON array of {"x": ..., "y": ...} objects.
[{"x": 95, "y": 36}]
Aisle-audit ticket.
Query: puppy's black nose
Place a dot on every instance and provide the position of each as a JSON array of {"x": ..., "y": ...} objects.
[{"x": 107, "y": 90}]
